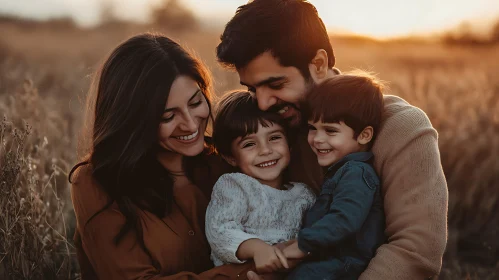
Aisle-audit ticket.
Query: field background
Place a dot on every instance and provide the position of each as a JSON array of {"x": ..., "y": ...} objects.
[{"x": 46, "y": 69}]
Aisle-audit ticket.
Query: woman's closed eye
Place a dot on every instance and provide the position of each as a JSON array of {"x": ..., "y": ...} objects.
[
  {"x": 168, "y": 118},
  {"x": 196, "y": 103}
]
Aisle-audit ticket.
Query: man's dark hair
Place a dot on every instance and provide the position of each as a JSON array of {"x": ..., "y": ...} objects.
[
  {"x": 356, "y": 99},
  {"x": 290, "y": 29},
  {"x": 238, "y": 115}
]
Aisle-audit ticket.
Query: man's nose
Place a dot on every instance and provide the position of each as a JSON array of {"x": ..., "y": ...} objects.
[{"x": 265, "y": 100}]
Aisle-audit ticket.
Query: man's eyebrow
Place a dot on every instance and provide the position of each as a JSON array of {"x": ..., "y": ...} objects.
[
  {"x": 265, "y": 82},
  {"x": 190, "y": 99}
]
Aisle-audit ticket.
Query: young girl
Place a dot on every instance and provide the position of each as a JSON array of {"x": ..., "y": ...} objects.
[{"x": 252, "y": 210}]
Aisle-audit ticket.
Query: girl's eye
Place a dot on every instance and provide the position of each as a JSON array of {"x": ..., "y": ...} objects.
[
  {"x": 249, "y": 144},
  {"x": 168, "y": 118},
  {"x": 275, "y": 137},
  {"x": 311, "y": 127}
]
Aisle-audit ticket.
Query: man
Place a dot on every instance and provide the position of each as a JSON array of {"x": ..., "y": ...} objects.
[{"x": 280, "y": 48}]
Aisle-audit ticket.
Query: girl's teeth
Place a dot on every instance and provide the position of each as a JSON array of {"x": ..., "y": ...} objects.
[
  {"x": 283, "y": 110},
  {"x": 188, "y": 137},
  {"x": 267, "y": 164}
]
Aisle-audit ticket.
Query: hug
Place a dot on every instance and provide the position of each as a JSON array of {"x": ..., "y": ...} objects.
[{"x": 309, "y": 174}]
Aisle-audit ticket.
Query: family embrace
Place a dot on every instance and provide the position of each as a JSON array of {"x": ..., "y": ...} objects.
[{"x": 309, "y": 174}]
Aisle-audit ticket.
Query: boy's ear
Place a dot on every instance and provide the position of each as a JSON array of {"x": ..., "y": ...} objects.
[
  {"x": 318, "y": 66},
  {"x": 230, "y": 160},
  {"x": 366, "y": 135}
]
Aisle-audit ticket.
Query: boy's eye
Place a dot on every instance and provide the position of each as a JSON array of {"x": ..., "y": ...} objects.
[
  {"x": 331, "y": 130},
  {"x": 311, "y": 127}
]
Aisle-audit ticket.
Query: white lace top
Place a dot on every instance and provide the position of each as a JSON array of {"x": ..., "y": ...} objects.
[{"x": 242, "y": 208}]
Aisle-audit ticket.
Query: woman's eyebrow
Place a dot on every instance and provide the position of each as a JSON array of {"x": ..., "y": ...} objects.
[{"x": 190, "y": 99}]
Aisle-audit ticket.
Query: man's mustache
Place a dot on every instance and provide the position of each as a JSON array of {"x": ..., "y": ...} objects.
[{"x": 276, "y": 108}]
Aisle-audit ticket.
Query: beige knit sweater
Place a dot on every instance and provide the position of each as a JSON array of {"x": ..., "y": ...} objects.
[{"x": 415, "y": 195}]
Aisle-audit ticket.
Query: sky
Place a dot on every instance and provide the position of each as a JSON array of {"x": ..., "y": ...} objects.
[{"x": 379, "y": 18}]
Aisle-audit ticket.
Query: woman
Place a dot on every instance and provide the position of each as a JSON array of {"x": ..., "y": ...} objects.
[{"x": 141, "y": 194}]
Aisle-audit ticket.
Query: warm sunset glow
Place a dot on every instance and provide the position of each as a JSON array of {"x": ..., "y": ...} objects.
[{"x": 380, "y": 18}]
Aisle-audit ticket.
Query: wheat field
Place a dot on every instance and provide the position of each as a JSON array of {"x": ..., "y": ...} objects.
[{"x": 45, "y": 72}]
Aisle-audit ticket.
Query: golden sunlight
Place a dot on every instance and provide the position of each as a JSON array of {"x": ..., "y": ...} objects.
[{"x": 391, "y": 18}]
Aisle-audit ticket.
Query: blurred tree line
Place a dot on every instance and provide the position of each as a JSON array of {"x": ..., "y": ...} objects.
[
  {"x": 167, "y": 14},
  {"x": 465, "y": 34}
]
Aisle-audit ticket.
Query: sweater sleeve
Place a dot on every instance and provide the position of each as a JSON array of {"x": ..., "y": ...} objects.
[
  {"x": 415, "y": 196},
  {"x": 100, "y": 258},
  {"x": 129, "y": 260},
  {"x": 227, "y": 209}
]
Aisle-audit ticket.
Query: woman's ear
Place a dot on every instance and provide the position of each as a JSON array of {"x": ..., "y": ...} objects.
[
  {"x": 230, "y": 160},
  {"x": 318, "y": 66},
  {"x": 366, "y": 135}
]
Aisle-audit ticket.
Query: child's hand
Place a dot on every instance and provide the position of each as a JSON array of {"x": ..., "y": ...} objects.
[
  {"x": 293, "y": 252},
  {"x": 268, "y": 259}
]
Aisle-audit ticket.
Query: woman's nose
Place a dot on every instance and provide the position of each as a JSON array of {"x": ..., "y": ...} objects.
[{"x": 189, "y": 123}]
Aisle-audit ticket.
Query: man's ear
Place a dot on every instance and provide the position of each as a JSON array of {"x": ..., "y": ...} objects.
[
  {"x": 318, "y": 66},
  {"x": 230, "y": 160},
  {"x": 366, "y": 135}
]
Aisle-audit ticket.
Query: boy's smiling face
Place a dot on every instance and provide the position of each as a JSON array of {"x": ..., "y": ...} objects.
[
  {"x": 262, "y": 155},
  {"x": 332, "y": 141}
]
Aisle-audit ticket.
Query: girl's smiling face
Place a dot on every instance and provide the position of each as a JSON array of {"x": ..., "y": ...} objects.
[{"x": 262, "y": 155}]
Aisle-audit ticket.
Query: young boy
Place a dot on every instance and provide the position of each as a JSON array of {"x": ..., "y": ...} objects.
[
  {"x": 346, "y": 224},
  {"x": 257, "y": 207}
]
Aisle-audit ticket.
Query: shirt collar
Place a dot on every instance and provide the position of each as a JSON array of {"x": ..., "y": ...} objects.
[{"x": 360, "y": 156}]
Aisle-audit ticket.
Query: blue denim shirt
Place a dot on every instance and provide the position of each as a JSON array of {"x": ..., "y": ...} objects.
[{"x": 347, "y": 220}]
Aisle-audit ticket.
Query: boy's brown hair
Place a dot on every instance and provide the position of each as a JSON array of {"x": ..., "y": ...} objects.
[{"x": 355, "y": 98}]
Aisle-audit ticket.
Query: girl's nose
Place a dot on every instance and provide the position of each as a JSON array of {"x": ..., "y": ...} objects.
[{"x": 265, "y": 150}]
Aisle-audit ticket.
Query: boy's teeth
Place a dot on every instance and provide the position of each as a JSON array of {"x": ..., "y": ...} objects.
[
  {"x": 283, "y": 110},
  {"x": 188, "y": 137},
  {"x": 324, "y": 151}
]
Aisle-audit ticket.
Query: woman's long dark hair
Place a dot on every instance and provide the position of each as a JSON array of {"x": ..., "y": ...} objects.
[{"x": 131, "y": 92}]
